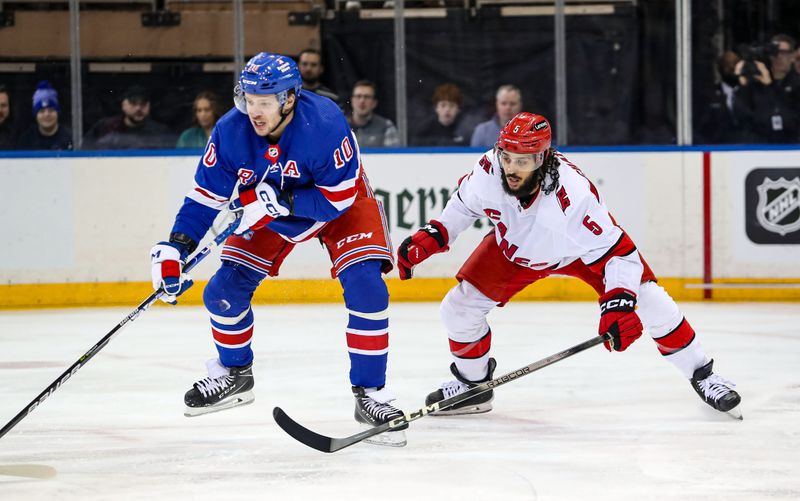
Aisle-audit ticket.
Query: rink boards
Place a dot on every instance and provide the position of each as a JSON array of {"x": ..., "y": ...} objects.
[{"x": 78, "y": 228}]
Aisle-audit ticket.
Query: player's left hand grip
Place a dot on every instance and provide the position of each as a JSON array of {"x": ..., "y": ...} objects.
[
  {"x": 427, "y": 241},
  {"x": 618, "y": 318},
  {"x": 166, "y": 271}
]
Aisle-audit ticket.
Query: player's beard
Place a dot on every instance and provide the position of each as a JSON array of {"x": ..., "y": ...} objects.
[{"x": 526, "y": 188}]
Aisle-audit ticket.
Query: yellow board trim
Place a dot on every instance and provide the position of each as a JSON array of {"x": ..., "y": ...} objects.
[{"x": 22, "y": 296}]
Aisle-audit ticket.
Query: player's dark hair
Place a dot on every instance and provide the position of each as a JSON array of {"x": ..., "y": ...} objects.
[{"x": 550, "y": 166}]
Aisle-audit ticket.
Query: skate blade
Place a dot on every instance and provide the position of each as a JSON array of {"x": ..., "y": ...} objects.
[
  {"x": 388, "y": 439},
  {"x": 472, "y": 409},
  {"x": 235, "y": 401},
  {"x": 735, "y": 413}
]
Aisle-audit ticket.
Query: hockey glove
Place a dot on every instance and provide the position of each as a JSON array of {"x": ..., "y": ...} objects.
[
  {"x": 618, "y": 317},
  {"x": 167, "y": 259},
  {"x": 260, "y": 206},
  {"x": 427, "y": 241}
]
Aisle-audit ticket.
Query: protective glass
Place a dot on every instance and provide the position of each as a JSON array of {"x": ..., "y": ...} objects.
[{"x": 523, "y": 162}]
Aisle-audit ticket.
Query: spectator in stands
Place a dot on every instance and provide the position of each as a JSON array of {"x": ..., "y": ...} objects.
[
  {"x": 311, "y": 68},
  {"x": 46, "y": 133},
  {"x": 445, "y": 128},
  {"x": 206, "y": 113},
  {"x": 8, "y": 127},
  {"x": 133, "y": 129},
  {"x": 720, "y": 121},
  {"x": 508, "y": 102},
  {"x": 771, "y": 95},
  {"x": 370, "y": 129}
]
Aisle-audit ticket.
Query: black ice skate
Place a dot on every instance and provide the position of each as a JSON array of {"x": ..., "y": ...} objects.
[
  {"x": 475, "y": 405},
  {"x": 225, "y": 387},
  {"x": 715, "y": 391},
  {"x": 373, "y": 409}
]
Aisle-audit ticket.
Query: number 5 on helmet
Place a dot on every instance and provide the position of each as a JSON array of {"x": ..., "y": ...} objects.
[{"x": 427, "y": 241}]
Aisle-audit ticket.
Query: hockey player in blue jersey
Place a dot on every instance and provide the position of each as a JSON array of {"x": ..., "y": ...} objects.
[{"x": 288, "y": 160}]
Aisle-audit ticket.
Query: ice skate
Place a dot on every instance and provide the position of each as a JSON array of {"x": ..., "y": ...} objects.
[
  {"x": 373, "y": 409},
  {"x": 224, "y": 388},
  {"x": 475, "y": 405},
  {"x": 716, "y": 391}
]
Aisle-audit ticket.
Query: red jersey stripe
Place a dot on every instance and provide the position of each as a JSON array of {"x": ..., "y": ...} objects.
[
  {"x": 623, "y": 247},
  {"x": 208, "y": 195},
  {"x": 338, "y": 196}
]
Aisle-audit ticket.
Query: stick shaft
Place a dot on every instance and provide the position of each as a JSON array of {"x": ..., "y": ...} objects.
[
  {"x": 83, "y": 360},
  {"x": 329, "y": 444}
]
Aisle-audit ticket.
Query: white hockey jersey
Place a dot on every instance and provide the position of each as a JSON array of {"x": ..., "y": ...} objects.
[{"x": 554, "y": 230}]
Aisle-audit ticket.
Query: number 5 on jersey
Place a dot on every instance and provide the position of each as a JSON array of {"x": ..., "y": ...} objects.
[{"x": 593, "y": 227}]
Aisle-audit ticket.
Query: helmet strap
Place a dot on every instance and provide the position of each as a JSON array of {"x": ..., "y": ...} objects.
[{"x": 284, "y": 115}]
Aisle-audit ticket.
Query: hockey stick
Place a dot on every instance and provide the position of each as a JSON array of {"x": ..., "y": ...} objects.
[
  {"x": 329, "y": 444},
  {"x": 199, "y": 256}
]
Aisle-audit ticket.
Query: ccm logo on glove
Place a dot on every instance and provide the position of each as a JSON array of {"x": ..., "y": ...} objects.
[
  {"x": 619, "y": 319},
  {"x": 618, "y": 304}
]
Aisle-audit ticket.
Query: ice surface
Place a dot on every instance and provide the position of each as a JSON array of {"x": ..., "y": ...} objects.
[{"x": 596, "y": 426}]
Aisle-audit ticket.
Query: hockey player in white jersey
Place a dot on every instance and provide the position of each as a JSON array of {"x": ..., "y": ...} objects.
[{"x": 549, "y": 220}]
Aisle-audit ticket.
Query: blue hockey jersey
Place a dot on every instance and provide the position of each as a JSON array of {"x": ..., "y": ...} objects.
[{"x": 316, "y": 158}]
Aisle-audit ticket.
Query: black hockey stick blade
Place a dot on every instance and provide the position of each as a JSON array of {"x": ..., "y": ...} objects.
[
  {"x": 315, "y": 440},
  {"x": 330, "y": 444}
]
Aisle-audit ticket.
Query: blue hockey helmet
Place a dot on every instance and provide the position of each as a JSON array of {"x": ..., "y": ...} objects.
[{"x": 267, "y": 73}]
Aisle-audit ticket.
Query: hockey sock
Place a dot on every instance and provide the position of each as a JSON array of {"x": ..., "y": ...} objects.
[
  {"x": 472, "y": 358},
  {"x": 682, "y": 349},
  {"x": 673, "y": 335},
  {"x": 463, "y": 313},
  {"x": 367, "y": 301},
  {"x": 227, "y": 298}
]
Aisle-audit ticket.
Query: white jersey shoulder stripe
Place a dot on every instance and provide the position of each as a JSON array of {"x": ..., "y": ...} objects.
[{"x": 206, "y": 197}]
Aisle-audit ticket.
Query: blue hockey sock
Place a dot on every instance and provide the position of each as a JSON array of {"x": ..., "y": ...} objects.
[
  {"x": 227, "y": 298},
  {"x": 367, "y": 301}
]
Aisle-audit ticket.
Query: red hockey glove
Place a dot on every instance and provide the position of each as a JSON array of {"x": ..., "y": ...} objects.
[
  {"x": 618, "y": 317},
  {"x": 427, "y": 241}
]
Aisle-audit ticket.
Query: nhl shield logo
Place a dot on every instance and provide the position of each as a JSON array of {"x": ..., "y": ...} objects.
[
  {"x": 778, "y": 208},
  {"x": 272, "y": 153}
]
